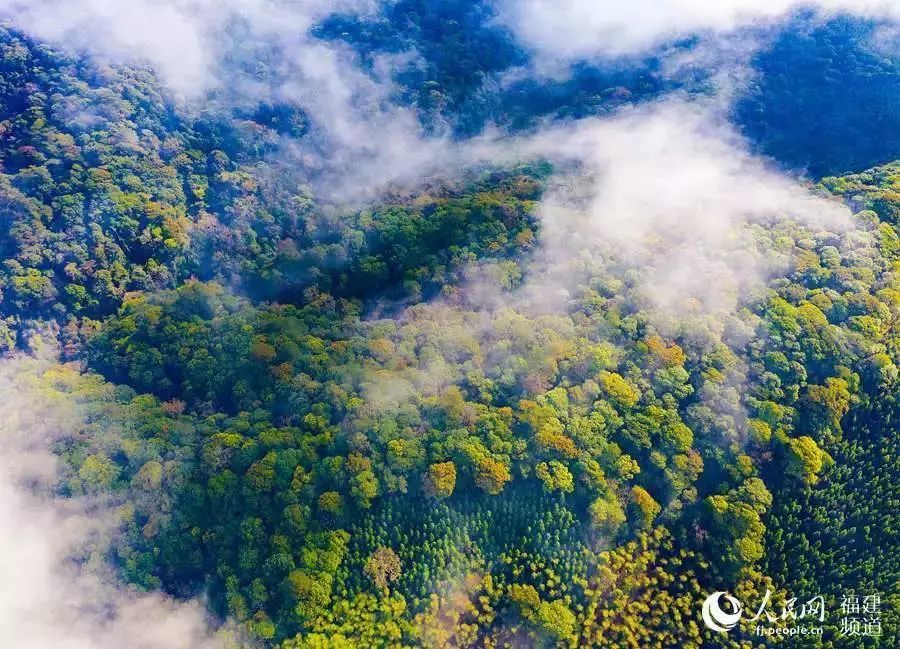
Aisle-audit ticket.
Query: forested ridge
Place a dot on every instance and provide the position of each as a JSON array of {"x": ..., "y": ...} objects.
[{"x": 311, "y": 416}]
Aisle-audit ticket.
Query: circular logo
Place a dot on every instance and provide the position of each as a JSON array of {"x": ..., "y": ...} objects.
[{"x": 717, "y": 619}]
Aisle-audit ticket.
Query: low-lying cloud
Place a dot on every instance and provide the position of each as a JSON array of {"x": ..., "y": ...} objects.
[
  {"x": 361, "y": 139},
  {"x": 664, "y": 208},
  {"x": 583, "y": 29},
  {"x": 58, "y": 591}
]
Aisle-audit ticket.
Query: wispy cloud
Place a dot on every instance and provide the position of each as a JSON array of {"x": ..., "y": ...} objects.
[
  {"x": 186, "y": 41},
  {"x": 667, "y": 188},
  {"x": 236, "y": 54}
]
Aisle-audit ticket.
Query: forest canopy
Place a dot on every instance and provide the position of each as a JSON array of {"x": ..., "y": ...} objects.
[{"x": 554, "y": 398}]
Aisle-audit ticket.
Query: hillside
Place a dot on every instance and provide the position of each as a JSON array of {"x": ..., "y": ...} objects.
[{"x": 554, "y": 391}]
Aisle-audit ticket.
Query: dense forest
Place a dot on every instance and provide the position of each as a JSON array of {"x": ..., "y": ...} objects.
[{"x": 360, "y": 425}]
